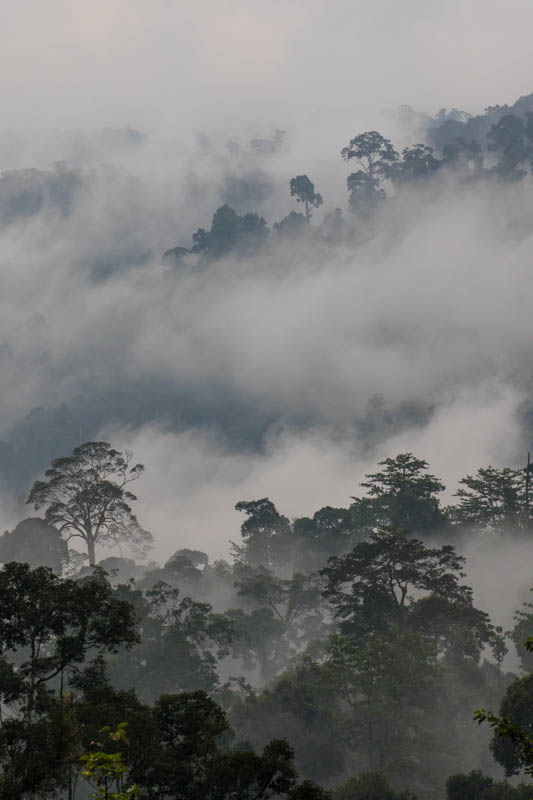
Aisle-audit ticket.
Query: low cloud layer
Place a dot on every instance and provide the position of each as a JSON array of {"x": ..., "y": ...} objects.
[
  {"x": 435, "y": 306},
  {"x": 194, "y": 479},
  {"x": 301, "y": 333}
]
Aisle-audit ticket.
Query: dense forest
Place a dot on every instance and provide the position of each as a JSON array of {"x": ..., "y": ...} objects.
[
  {"x": 341, "y": 654},
  {"x": 335, "y": 655}
]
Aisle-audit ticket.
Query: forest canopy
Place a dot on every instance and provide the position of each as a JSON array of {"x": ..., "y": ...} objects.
[
  {"x": 335, "y": 656},
  {"x": 321, "y": 584}
]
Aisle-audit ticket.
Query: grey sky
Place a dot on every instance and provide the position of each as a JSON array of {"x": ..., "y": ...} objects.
[{"x": 235, "y": 63}]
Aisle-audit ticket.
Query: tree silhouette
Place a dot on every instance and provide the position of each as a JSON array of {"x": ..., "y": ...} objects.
[
  {"x": 85, "y": 497},
  {"x": 304, "y": 191}
]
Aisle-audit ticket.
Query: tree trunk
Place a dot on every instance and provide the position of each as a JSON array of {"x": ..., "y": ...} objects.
[{"x": 90, "y": 551}]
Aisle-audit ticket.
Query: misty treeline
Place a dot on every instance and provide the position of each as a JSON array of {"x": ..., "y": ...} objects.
[
  {"x": 335, "y": 656},
  {"x": 73, "y": 223},
  {"x": 502, "y": 151}
]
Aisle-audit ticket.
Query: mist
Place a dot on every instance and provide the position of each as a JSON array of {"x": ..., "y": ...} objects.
[
  {"x": 374, "y": 325},
  {"x": 174, "y": 66},
  {"x": 432, "y": 309}
]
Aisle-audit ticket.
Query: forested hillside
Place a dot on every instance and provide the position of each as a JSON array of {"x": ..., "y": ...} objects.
[
  {"x": 334, "y": 355},
  {"x": 341, "y": 654}
]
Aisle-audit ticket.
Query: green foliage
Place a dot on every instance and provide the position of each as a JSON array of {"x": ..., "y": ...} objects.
[
  {"x": 366, "y": 668},
  {"x": 48, "y": 625},
  {"x": 477, "y": 786},
  {"x": 107, "y": 771},
  {"x": 494, "y": 499},
  {"x": 271, "y": 541},
  {"x": 387, "y": 686},
  {"x": 512, "y": 744},
  {"x": 37, "y": 754},
  {"x": 373, "y": 587},
  {"x": 307, "y": 790},
  {"x": 290, "y": 599},
  {"x": 519, "y": 635},
  {"x": 50, "y": 629},
  {"x": 181, "y": 642},
  {"x": 264, "y": 532},
  {"x": 191, "y": 760},
  {"x": 329, "y": 532},
  {"x": 290, "y": 614},
  {"x": 403, "y": 494}
]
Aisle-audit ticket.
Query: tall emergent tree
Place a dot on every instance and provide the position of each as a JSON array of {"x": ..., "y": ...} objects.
[
  {"x": 304, "y": 190},
  {"x": 84, "y": 495},
  {"x": 493, "y": 500},
  {"x": 376, "y": 159},
  {"x": 374, "y": 155},
  {"x": 403, "y": 493}
]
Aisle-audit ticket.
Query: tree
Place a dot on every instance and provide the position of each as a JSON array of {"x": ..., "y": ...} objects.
[
  {"x": 509, "y": 748},
  {"x": 492, "y": 500},
  {"x": 510, "y": 137},
  {"x": 417, "y": 162},
  {"x": 307, "y": 790},
  {"x": 49, "y": 627},
  {"x": 477, "y": 786},
  {"x": 289, "y": 599},
  {"x": 191, "y": 760},
  {"x": 85, "y": 496},
  {"x": 374, "y": 587},
  {"x": 304, "y": 191},
  {"x": 369, "y": 786},
  {"x": 376, "y": 158},
  {"x": 107, "y": 771},
  {"x": 289, "y": 617},
  {"x": 332, "y": 227},
  {"x": 34, "y": 542},
  {"x": 182, "y": 640},
  {"x": 261, "y": 643},
  {"x": 385, "y": 685},
  {"x": 98, "y": 705},
  {"x": 37, "y": 757},
  {"x": 292, "y": 226},
  {"x": 49, "y": 624},
  {"x": 266, "y": 533},
  {"x": 374, "y": 154},
  {"x": 403, "y": 494},
  {"x": 230, "y": 233},
  {"x": 523, "y": 619},
  {"x": 463, "y": 155},
  {"x": 363, "y": 194},
  {"x": 329, "y": 532}
]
